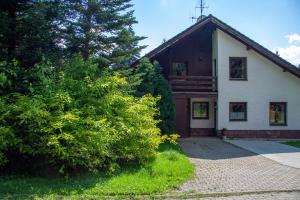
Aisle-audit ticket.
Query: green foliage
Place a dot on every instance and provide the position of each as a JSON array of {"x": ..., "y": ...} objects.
[
  {"x": 37, "y": 30},
  {"x": 295, "y": 143},
  {"x": 79, "y": 117},
  {"x": 171, "y": 138},
  {"x": 169, "y": 169},
  {"x": 76, "y": 113},
  {"x": 155, "y": 84},
  {"x": 28, "y": 31},
  {"x": 102, "y": 29}
]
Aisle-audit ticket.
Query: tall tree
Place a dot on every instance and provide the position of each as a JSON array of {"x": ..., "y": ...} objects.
[
  {"x": 100, "y": 28},
  {"x": 28, "y": 35},
  {"x": 28, "y": 30},
  {"x": 154, "y": 83}
]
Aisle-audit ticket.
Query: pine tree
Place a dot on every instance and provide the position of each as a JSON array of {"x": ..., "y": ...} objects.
[
  {"x": 27, "y": 31},
  {"x": 100, "y": 28},
  {"x": 28, "y": 36}
]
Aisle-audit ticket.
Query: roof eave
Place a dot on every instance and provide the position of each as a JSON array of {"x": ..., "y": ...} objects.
[
  {"x": 286, "y": 66},
  {"x": 178, "y": 37}
]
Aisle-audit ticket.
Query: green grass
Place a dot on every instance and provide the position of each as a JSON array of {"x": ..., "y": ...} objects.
[
  {"x": 167, "y": 171},
  {"x": 295, "y": 143}
]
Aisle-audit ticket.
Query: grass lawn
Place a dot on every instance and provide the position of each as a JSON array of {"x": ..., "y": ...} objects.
[
  {"x": 168, "y": 170},
  {"x": 295, "y": 143}
]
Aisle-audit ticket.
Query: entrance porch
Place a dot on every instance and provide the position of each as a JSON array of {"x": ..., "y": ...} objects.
[{"x": 195, "y": 114}]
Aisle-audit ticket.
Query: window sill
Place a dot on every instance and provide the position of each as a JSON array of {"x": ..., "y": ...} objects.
[
  {"x": 200, "y": 118},
  {"x": 278, "y": 124},
  {"x": 238, "y": 79},
  {"x": 238, "y": 120}
]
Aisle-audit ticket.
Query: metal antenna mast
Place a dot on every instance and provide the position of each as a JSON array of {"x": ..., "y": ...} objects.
[{"x": 202, "y": 6}]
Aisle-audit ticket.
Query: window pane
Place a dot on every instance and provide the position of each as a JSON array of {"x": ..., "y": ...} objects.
[
  {"x": 238, "y": 68},
  {"x": 238, "y": 111},
  {"x": 200, "y": 110},
  {"x": 179, "y": 69},
  {"x": 278, "y": 113}
]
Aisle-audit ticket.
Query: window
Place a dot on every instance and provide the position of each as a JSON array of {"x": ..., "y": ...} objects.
[
  {"x": 200, "y": 110},
  {"x": 238, "y": 68},
  {"x": 179, "y": 69},
  {"x": 278, "y": 113},
  {"x": 238, "y": 111}
]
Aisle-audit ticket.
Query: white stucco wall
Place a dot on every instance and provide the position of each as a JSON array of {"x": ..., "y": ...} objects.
[
  {"x": 203, "y": 123},
  {"x": 215, "y": 57},
  {"x": 266, "y": 83}
]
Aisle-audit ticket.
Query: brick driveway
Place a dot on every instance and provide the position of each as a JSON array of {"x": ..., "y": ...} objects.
[
  {"x": 224, "y": 168},
  {"x": 267, "y": 196}
]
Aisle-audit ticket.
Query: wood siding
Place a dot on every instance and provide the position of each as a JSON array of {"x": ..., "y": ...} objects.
[
  {"x": 195, "y": 50},
  {"x": 193, "y": 84}
]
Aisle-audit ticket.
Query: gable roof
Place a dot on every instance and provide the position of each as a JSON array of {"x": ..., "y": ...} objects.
[{"x": 250, "y": 44}]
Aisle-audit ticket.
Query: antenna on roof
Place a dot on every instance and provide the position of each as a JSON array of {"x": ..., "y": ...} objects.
[{"x": 201, "y": 5}]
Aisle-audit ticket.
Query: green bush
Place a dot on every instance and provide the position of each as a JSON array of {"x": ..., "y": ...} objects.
[
  {"x": 154, "y": 83},
  {"x": 80, "y": 117}
]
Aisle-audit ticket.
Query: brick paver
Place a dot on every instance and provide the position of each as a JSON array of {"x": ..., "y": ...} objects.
[
  {"x": 222, "y": 168},
  {"x": 267, "y": 196}
]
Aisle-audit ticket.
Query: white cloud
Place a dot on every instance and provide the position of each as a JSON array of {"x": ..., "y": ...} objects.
[
  {"x": 293, "y": 38},
  {"x": 291, "y": 54}
]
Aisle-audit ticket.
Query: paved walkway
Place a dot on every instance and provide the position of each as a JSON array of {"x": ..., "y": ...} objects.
[
  {"x": 266, "y": 196},
  {"x": 224, "y": 168},
  {"x": 284, "y": 154}
]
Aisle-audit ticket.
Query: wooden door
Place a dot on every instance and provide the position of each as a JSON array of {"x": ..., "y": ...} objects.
[{"x": 182, "y": 122}]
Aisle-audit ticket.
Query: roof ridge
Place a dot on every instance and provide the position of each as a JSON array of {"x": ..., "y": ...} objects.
[{"x": 287, "y": 66}]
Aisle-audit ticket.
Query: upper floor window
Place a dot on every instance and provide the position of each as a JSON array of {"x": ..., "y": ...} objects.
[
  {"x": 179, "y": 69},
  {"x": 238, "y": 68},
  {"x": 238, "y": 111},
  {"x": 278, "y": 113}
]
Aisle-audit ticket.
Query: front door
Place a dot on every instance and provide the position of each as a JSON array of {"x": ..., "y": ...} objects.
[{"x": 182, "y": 122}]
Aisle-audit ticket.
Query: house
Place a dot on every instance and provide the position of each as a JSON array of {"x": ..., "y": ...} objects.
[{"x": 225, "y": 83}]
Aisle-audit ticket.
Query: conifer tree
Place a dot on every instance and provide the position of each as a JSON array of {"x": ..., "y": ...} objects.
[
  {"x": 154, "y": 83},
  {"x": 100, "y": 28},
  {"x": 28, "y": 31}
]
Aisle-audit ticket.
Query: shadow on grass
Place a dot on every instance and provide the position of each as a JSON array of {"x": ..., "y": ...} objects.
[
  {"x": 58, "y": 186},
  {"x": 169, "y": 146},
  {"x": 132, "y": 179}
]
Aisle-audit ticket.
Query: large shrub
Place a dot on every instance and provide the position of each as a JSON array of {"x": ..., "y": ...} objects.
[
  {"x": 154, "y": 83},
  {"x": 79, "y": 117}
]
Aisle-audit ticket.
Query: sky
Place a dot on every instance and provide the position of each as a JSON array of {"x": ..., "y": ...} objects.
[{"x": 275, "y": 24}]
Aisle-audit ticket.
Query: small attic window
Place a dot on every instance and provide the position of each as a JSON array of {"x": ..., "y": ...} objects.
[
  {"x": 179, "y": 69},
  {"x": 238, "y": 68}
]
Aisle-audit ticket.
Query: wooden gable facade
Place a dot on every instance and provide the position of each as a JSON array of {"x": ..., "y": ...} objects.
[{"x": 198, "y": 79}]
